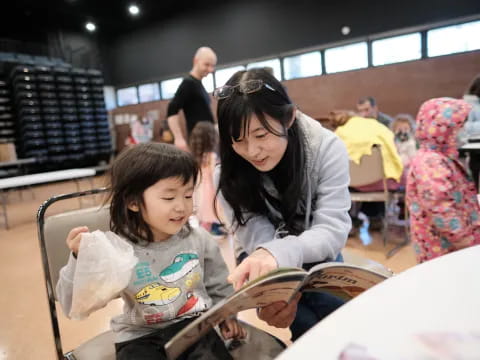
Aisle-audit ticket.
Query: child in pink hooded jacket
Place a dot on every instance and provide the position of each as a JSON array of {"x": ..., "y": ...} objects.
[{"x": 444, "y": 211}]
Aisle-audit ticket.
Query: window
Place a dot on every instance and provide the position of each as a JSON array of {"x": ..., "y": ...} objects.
[
  {"x": 109, "y": 94},
  {"x": 397, "y": 49},
  {"x": 348, "y": 57},
  {"x": 207, "y": 82},
  {"x": 127, "y": 96},
  {"x": 304, "y": 65},
  {"x": 222, "y": 76},
  {"x": 169, "y": 87},
  {"x": 148, "y": 92},
  {"x": 272, "y": 63},
  {"x": 453, "y": 39}
]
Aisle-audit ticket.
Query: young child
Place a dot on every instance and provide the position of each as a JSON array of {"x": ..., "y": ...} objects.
[
  {"x": 402, "y": 127},
  {"x": 203, "y": 142},
  {"x": 444, "y": 211},
  {"x": 180, "y": 272}
]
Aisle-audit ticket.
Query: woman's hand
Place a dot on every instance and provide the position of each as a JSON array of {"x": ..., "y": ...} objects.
[
  {"x": 74, "y": 237},
  {"x": 231, "y": 329},
  {"x": 257, "y": 264},
  {"x": 280, "y": 314}
]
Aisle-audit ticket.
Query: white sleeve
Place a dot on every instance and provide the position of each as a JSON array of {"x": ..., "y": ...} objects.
[{"x": 64, "y": 287}]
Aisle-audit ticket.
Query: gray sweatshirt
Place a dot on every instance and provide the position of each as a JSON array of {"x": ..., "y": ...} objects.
[
  {"x": 325, "y": 199},
  {"x": 173, "y": 280}
]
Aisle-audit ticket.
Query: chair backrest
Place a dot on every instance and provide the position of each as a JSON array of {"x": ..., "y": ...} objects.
[
  {"x": 370, "y": 169},
  {"x": 52, "y": 232},
  {"x": 57, "y": 227}
]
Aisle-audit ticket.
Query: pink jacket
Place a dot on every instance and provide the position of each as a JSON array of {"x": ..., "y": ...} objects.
[{"x": 444, "y": 211}]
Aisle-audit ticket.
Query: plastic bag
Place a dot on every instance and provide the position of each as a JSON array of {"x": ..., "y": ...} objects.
[{"x": 104, "y": 266}]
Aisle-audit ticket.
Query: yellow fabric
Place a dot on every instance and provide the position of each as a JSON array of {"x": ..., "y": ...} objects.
[{"x": 360, "y": 134}]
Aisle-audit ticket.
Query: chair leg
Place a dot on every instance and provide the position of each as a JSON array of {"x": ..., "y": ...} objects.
[
  {"x": 3, "y": 200},
  {"x": 406, "y": 240},
  {"x": 385, "y": 230}
]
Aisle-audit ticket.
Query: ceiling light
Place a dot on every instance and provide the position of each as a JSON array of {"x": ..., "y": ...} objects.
[
  {"x": 90, "y": 26},
  {"x": 345, "y": 30},
  {"x": 134, "y": 10}
]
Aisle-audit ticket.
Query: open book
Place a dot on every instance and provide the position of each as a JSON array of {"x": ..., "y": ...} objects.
[{"x": 340, "y": 279}]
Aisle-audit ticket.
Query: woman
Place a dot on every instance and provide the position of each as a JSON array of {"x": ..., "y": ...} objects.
[{"x": 283, "y": 184}]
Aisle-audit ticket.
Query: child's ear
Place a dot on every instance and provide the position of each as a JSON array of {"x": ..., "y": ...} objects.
[{"x": 133, "y": 206}]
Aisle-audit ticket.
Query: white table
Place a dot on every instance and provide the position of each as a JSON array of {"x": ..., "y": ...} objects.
[
  {"x": 16, "y": 182},
  {"x": 439, "y": 295}
]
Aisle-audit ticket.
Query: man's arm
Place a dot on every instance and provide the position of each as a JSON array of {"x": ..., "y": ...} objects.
[
  {"x": 174, "y": 122},
  {"x": 176, "y": 128}
]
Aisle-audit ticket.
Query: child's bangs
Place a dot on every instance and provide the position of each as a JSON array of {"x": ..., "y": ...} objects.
[{"x": 185, "y": 170}]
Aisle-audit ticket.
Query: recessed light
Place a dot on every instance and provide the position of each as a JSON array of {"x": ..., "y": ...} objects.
[
  {"x": 345, "y": 30},
  {"x": 134, "y": 10},
  {"x": 90, "y": 26}
]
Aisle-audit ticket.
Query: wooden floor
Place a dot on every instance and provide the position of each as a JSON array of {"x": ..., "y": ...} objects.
[{"x": 25, "y": 330}]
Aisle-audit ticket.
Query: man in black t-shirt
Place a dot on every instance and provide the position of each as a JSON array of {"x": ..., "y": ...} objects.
[{"x": 192, "y": 97}]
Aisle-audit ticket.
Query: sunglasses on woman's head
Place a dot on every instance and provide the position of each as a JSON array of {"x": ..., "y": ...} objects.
[{"x": 245, "y": 87}]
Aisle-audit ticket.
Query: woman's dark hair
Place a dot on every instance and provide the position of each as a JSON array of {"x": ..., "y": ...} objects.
[
  {"x": 474, "y": 88},
  {"x": 241, "y": 183},
  {"x": 132, "y": 172},
  {"x": 203, "y": 139}
]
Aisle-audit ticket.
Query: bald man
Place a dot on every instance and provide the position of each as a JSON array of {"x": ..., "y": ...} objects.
[{"x": 192, "y": 97}]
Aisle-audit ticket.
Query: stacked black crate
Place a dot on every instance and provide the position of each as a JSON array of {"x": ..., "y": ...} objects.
[
  {"x": 7, "y": 124},
  {"x": 31, "y": 140},
  {"x": 69, "y": 117},
  {"x": 50, "y": 109},
  {"x": 104, "y": 142},
  {"x": 85, "y": 110}
]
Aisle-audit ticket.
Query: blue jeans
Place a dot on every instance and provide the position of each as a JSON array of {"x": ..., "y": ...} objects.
[{"x": 312, "y": 307}]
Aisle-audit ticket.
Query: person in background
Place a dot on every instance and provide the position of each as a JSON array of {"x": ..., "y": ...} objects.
[
  {"x": 283, "y": 185},
  {"x": 367, "y": 107},
  {"x": 130, "y": 140},
  {"x": 472, "y": 127},
  {"x": 203, "y": 145},
  {"x": 441, "y": 197},
  {"x": 360, "y": 135},
  {"x": 192, "y": 98},
  {"x": 151, "y": 201},
  {"x": 402, "y": 127},
  {"x": 472, "y": 96}
]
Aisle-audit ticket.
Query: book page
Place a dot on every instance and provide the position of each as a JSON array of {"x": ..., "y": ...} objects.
[
  {"x": 279, "y": 285},
  {"x": 342, "y": 280}
]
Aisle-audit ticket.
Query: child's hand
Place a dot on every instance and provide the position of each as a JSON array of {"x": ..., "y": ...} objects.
[
  {"x": 74, "y": 237},
  {"x": 231, "y": 329}
]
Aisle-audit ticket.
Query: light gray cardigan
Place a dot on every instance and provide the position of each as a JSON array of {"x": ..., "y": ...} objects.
[{"x": 326, "y": 197}]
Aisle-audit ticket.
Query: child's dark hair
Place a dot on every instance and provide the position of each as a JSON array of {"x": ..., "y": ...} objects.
[
  {"x": 132, "y": 172},
  {"x": 240, "y": 183},
  {"x": 203, "y": 139}
]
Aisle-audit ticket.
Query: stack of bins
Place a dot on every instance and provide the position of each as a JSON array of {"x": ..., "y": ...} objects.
[
  {"x": 69, "y": 117},
  {"x": 85, "y": 111},
  {"x": 31, "y": 140},
  {"x": 50, "y": 110},
  {"x": 7, "y": 125},
  {"x": 104, "y": 142}
]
